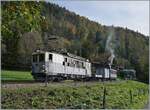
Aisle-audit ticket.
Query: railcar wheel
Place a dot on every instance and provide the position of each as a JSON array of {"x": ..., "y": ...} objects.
[
  {"x": 37, "y": 79},
  {"x": 57, "y": 79}
]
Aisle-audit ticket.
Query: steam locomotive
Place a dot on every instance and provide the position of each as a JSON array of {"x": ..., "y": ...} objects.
[{"x": 56, "y": 66}]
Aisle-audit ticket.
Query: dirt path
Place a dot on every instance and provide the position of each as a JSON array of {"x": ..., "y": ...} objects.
[
  {"x": 39, "y": 84},
  {"x": 21, "y": 85},
  {"x": 16, "y": 85}
]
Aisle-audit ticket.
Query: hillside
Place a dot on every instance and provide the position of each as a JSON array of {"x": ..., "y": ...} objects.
[
  {"x": 67, "y": 95},
  {"x": 26, "y": 26}
]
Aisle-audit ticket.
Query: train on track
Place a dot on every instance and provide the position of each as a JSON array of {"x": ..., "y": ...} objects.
[{"x": 56, "y": 66}]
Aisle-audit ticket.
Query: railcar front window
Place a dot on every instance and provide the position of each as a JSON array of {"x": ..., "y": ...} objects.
[
  {"x": 41, "y": 58},
  {"x": 50, "y": 57},
  {"x": 34, "y": 58}
]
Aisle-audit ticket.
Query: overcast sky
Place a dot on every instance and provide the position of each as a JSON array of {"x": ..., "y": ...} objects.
[{"x": 131, "y": 14}]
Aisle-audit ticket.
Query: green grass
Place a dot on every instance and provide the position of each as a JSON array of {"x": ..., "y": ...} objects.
[
  {"x": 15, "y": 75},
  {"x": 77, "y": 97}
]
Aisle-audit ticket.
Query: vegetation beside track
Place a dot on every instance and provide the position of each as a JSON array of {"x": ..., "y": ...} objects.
[
  {"x": 119, "y": 95},
  {"x": 9, "y": 75}
]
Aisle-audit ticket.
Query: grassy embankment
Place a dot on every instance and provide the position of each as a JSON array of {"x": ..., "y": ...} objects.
[
  {"x": 15, "y": 75},
  {"x": 118, "y": 96}
]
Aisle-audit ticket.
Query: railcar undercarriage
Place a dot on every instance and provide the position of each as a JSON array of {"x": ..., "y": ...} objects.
[{"x": 42, "y": 77}]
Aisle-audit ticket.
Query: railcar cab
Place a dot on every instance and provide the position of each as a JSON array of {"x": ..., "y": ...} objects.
[
  {"x": 38, "y": 62},
  {"x": 39, "y": 59}
]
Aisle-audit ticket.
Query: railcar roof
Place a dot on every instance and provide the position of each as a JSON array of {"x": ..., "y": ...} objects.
[
  {"x": 64, "y": 54},
  {"x": 128, "y": 70}
]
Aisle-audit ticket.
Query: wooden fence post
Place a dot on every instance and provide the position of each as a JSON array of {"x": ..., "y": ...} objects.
[
  {"x": 104, "y": 98},
  {"x": 75, "y": 83},
  {"x": 131, "y": 97},
  {"x": 46, "y": 80}
]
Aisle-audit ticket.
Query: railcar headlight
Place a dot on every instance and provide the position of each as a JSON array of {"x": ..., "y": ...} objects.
[
  {"x": 43, "y": 70},
  {"x": 43, "y": 66}
]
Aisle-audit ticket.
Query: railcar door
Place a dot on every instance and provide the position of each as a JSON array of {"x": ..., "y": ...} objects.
[{"x": 38, "y": 63}]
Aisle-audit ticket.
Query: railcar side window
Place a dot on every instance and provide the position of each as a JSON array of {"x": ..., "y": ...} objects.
[
  {"x": 65, "y": 59},
  {"x": 34, "y": 58},
  {"x": 50, "y": 57},
  {"x": 82, "y": 65},
  {"x": 41, "y": 58}
]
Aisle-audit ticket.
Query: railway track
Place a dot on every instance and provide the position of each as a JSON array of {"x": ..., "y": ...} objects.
[
  {"x": 17, "y": 81},
  {"x": 24, "y": 84},
  {"x": 32, "y": 83},
  {"x": 19, "y": 85}
]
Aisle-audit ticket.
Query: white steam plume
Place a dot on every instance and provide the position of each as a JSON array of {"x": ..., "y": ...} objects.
[{"x": 110, "y": 46}]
